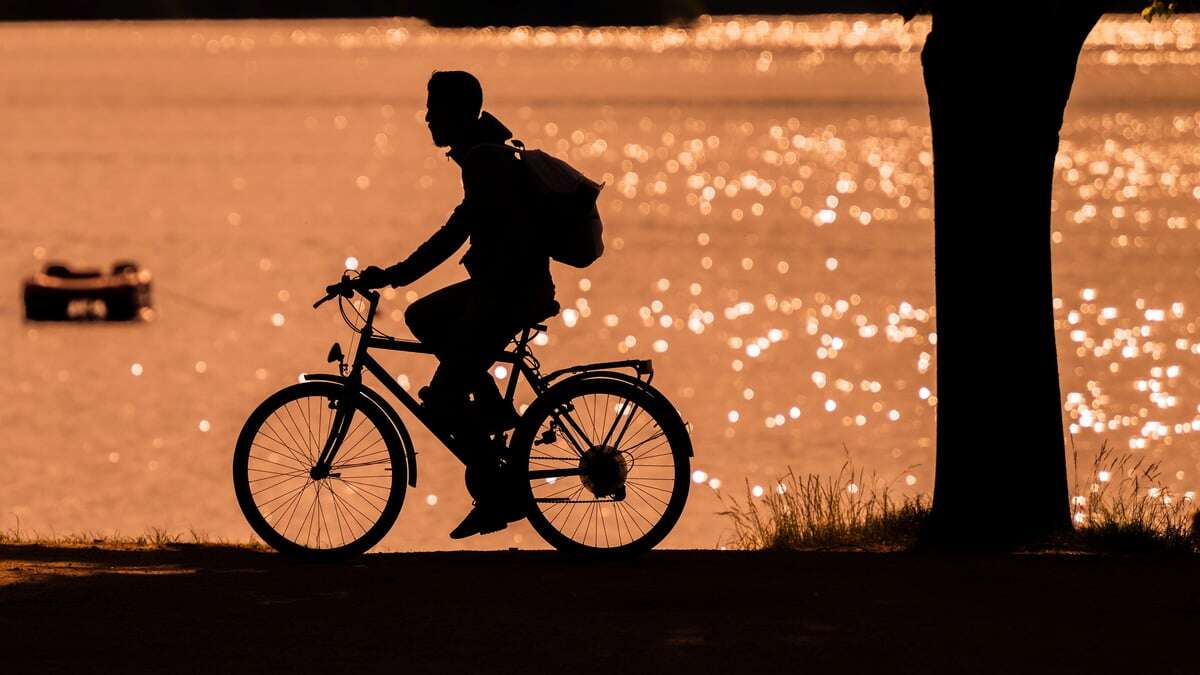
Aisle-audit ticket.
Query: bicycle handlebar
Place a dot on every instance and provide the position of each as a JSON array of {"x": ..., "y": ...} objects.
[
  {"x": 344, "y": 288},
  {"x": 327, "y": 298}
]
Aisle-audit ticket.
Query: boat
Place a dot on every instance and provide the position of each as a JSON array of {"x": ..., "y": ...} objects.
[{"x": 59, "y": 293}]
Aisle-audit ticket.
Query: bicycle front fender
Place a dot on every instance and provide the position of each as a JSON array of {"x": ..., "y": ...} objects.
[{"x": 410, "y": 454}]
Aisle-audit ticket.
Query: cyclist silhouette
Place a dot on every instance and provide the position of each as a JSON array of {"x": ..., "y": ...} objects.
[{"x": 509, "y": 285}]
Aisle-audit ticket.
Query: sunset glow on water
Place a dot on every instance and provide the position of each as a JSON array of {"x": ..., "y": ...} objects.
[{"x": 768, "y": 215}]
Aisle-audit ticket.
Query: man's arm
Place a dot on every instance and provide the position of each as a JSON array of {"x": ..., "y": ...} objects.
[{"x": 448, "y": 239}]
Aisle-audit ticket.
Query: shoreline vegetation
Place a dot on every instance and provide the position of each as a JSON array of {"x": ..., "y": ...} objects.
[
  {"x": 153, "y": 538},
  {"x": 463, "y": 13},
  {"x": 1118, "y": 506}
]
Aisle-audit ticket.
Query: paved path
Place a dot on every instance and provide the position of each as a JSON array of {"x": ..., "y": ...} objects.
[{"x": 216, "y": 610}]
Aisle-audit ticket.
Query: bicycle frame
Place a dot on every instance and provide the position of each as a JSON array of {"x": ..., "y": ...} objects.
[{"x": 522, "y": 365}]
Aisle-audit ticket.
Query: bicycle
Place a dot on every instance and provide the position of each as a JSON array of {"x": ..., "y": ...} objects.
[{"x": 602, "y": 458}]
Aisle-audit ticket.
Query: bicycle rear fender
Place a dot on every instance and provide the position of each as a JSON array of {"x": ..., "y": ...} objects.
[
  {"x": 410, "y": 455},
  {"x": 641, "y": 384}
]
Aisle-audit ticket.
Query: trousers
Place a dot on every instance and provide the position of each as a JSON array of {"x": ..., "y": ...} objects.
[{"x": 467, "y": 324}]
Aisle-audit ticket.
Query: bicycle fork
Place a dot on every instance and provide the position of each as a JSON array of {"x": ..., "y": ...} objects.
[
  {"x": 343, "y": 417},
  {"x": 344, "y": 404}
]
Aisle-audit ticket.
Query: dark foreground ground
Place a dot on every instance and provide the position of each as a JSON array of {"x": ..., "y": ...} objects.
[{"x": 217, "y": 610}]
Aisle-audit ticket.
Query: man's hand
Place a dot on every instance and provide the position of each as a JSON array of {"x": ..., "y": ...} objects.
[
  {"x": 374, "y": 277},
  {"x": 377, "y": 278}
]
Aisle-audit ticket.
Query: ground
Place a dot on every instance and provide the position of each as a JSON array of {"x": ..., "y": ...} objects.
[{"x": 203, "y": 608}]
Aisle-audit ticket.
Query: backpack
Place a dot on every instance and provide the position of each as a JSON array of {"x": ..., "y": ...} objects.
[{"x": 564, "y": 207}]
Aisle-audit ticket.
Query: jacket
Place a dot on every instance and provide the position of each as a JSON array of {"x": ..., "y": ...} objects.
[{"x": 504, "y": 253}]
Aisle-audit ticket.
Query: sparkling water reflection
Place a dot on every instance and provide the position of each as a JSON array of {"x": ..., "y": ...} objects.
[{"x": 770, "y": 242}]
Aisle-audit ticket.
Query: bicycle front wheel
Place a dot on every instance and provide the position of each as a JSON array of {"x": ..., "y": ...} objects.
[
  {"x": 608, "y": 465},
  {"x": 313, "y": 514}
]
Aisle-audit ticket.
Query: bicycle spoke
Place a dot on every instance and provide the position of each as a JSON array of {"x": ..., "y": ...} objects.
[
  {"x": 298, "y": 472},
  {"x": 284, "y": 495},
  {"x": 296, "y": 454},
  {"x": 604, "y": 422},
  {"x": 351, "y": 458},
  {"x": 357, "y": 516},
  {"x": 385, "y": 460},
  {"x": 301, "y": 455},
  {"x": 307, "y": 448},
  {"x": 324, "y": 522},
  {"x": 294, "y": 504},
  {"x": 639, "y": 517},
  {"x": 647, "y": 487},
  {"x": 661, "y": 454},
  {"x": 337, "y": 516},
  {"x": 310, "y": 438},
  {"x": 306, "y": 524},
  {"x": 603, "y": 523},
  {"x": 367, "y": 518},
  {"x": 280, "y": 481},
  {"x": 660, "y": 434},
  {"x": 620, "y": 510},
  {"x": 572, "y": 503},
  {"x": 628, "y": 415},
  {"x": 642, "y": 442},
  {"x": 587, "y": 405},
  {"x": 643, "y": 494},
  {"x": 264, "y": 459},
  {"x": 360, "y": 488}
]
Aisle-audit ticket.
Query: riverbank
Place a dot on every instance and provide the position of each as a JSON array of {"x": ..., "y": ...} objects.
[{"x": 203, "y": 608}]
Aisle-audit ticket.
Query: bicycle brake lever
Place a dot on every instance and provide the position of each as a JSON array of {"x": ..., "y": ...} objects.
[{"x": 327, "y": 298}]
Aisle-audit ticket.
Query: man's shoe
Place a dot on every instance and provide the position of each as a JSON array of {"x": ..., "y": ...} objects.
[{"x": 480, "y": 520}]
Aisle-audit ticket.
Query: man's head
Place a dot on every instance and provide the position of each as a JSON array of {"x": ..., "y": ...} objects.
[{"x": 453, "y": 106}]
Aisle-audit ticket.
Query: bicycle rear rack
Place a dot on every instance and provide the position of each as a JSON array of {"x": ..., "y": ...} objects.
[{"x": 643, "y": 367}]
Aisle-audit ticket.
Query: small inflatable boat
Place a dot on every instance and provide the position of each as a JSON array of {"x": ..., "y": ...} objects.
[{"x": 58, "y": 293}]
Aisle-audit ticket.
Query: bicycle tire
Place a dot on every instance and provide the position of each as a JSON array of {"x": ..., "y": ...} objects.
[
  {"x": 387, "y": 467},
  {"x": 678, "y": 475}
]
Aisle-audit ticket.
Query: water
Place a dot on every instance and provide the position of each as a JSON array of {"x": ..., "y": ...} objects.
[{"x": 768, "y": 217}]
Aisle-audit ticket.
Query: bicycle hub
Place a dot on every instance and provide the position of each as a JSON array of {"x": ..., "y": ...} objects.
[{"x": 604, "y": 471}]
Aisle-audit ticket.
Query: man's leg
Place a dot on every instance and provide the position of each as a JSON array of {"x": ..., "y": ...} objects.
[
  {"x": 466, "y": 329},
  {"x": 466, "y": 358},
  {"x": 435, "y": 320}
]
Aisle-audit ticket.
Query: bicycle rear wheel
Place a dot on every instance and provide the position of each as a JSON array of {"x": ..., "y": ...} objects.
[
  {"x": 306, "y": 514},
  {"x": 608, "y": 465}
]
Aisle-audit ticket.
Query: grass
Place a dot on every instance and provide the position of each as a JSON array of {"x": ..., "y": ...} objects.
[
  {"x": 806, "y": 511},
  {"x": 1121, "y": 507},
  {"x": 152, "y": 538}
]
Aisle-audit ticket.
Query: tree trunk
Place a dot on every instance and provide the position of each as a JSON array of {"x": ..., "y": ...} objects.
[{"x": 997, "y": 89}]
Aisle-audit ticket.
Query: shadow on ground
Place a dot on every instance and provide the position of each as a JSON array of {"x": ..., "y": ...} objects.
[{"x": 189, "y": 608}]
